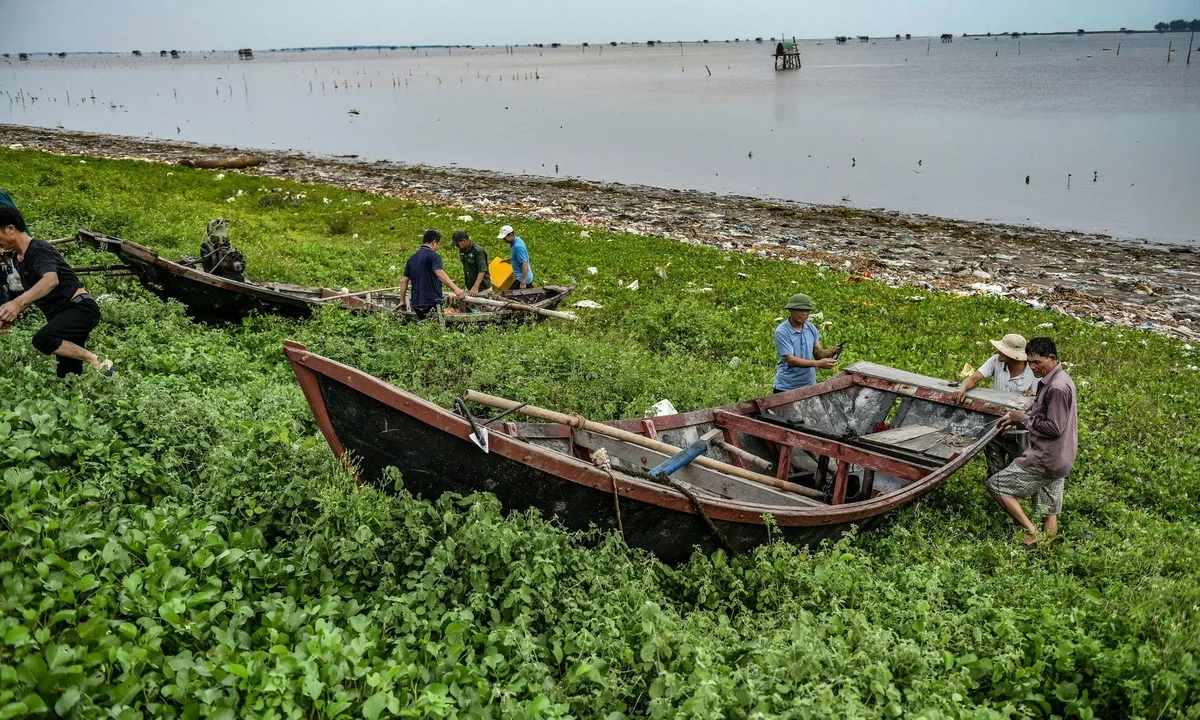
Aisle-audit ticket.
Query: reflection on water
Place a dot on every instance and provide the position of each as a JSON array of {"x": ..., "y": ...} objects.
[{"x": 948, "y": 129}]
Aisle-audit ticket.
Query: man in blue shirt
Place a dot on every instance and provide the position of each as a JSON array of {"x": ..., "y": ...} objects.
[
  {"x": 519, "y": 259},
  {"x": 798, "y": 347},
  {"x": 424, "y": 271}
]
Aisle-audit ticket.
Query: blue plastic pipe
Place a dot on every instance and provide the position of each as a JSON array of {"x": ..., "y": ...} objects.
[{"x": 680, "y": 459}]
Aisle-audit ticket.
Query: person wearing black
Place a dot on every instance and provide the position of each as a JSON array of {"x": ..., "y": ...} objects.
[
  {"x": 51, "y": 284},
  {"x": 424, "y": 271}
]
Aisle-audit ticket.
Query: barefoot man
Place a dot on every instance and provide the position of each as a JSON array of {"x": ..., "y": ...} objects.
[
  {"x": 71, "y": 313},
  {"x": 1052, "y": 423}
]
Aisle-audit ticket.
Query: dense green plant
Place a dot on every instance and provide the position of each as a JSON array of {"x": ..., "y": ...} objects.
[{"x": 178, "y": 541}]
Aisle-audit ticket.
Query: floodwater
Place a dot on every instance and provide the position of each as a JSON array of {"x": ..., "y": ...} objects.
[{"x": 948, "y": 129}]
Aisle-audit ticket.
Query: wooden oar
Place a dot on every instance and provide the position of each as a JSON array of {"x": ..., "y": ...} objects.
[
  {"x": 356, "y": 294},
  {"x": 581, "y": 423},
  {"x": 60, "y": 241},
  {"x": 512, "y": 305}
]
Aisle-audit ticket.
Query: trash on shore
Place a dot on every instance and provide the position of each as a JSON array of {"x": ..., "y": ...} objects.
[{"x": 1129, "y": 284}]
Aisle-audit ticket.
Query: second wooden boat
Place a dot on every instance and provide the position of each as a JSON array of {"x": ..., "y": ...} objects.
[{"x": 213, "y": 298}]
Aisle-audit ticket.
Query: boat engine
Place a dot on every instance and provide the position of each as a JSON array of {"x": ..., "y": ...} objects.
[{"x": 218, "y": 256}]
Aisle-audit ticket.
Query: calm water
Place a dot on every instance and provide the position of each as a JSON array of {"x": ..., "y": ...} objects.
[{"x": 947, "y": 129}]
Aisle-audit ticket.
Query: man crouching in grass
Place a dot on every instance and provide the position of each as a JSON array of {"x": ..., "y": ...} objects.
[
  {"x": 51, "y": 284},
  {"x": 1052, "y": 423}
]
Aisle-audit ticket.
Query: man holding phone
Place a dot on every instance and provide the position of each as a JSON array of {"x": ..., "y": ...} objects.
[{"x": 798, "y": 347}]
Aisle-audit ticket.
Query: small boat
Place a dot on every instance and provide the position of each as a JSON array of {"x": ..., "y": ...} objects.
[
  {"x": 213, "y": 298},
  {"x": 819, "y": 460}
]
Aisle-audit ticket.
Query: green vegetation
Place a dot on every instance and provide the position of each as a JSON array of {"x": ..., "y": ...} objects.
[{"x": 178, "y": 541}]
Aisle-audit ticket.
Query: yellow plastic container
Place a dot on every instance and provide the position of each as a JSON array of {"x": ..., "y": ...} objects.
[{"x": 502, "y": 274}]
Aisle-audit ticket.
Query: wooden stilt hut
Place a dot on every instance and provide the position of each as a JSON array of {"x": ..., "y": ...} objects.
[{"x": 787, "y": 55}]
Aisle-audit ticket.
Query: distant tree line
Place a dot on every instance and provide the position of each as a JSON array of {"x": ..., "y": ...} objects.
[{"x": 1178, "y": 26}]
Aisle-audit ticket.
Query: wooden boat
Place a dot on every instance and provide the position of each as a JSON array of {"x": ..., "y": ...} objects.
[
  {"x": 219, "y": 299},
  {"x": 864, "y": 443}
]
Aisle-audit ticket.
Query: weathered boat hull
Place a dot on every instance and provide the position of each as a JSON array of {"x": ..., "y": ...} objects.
[
  {"x": 212, "y": 298},
  {"x": 373, "y": 425}
]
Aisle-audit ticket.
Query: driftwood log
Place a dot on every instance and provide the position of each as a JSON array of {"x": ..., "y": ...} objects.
[{"x": 227, "y": 162}]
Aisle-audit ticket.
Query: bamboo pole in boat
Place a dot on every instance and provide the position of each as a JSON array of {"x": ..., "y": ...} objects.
[
  {"x": 511, "y": 305},
  {"x": 343, "y": 296},
  {"x": 581, "y": 423},
  {"x": 747, "y": 456}
]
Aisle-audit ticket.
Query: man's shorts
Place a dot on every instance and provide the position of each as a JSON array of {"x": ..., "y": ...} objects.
[
  {"x": 1014, "y": 481},
  {"x": 73, "y": 324}
]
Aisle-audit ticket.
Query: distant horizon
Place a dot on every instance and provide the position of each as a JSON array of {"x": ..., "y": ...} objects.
[
  {"x": 606, "y": 43},
  {"x": 41, "y": 26}
]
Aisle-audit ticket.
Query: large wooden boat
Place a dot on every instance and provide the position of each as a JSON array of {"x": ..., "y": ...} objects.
[
  {"x": 854, "y": 447},
  {"x": 214, "y": 298}
]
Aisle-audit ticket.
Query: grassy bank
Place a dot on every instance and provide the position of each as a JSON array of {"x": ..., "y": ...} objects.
[{"x": 178, "y": 541}]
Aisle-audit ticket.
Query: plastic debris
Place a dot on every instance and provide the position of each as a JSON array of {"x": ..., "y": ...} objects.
[
  {"x": 460, "y": 218},
  {"x": 967, "y": 371},
  {"x": 661, "y": 408},
  {"x": 590, "y": 304},
  {"x": 593, "y": 270},
  {"x": 633, "y": 285}
]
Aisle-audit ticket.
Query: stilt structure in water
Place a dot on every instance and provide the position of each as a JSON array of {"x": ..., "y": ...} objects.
[{"x": 787, "y": 55}]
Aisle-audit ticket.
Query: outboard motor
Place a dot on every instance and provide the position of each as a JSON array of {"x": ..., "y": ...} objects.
[{"x": 218, "y": 256}]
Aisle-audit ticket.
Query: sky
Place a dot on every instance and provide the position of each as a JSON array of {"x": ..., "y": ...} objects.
[{"x": 124, "y": 25}]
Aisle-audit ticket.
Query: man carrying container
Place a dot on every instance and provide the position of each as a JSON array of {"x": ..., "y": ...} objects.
[
  {"x": 475, "y": 263},
  {"x": 798, "y": 347},
  {"x": 519, "y": 259}
]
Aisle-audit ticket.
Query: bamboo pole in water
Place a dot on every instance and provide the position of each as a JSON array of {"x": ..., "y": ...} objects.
[{"x": 581, "y": 423}]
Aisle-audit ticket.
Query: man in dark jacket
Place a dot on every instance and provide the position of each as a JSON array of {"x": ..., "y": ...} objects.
[{"x": 51, "y": 284}]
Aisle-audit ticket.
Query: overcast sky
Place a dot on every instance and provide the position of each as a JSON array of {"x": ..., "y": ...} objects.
[{"x": 123, "y": 25}]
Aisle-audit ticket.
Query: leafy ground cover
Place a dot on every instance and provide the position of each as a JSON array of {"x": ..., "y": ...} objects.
[{"x": 178, "y": 541}]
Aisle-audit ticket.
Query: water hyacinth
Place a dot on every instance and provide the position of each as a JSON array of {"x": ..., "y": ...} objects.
[{"x": 179, "y": 541}]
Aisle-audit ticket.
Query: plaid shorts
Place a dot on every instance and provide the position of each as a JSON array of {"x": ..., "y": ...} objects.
[{"x": 1013, "y": 481}]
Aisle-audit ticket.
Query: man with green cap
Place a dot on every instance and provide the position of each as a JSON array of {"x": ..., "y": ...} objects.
[
  {"x": 798, "y": 347},
  {"x": 475, "y": 263}
]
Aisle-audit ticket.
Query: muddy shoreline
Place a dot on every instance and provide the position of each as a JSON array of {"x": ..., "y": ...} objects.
[{"x": 1129, "y": 284}]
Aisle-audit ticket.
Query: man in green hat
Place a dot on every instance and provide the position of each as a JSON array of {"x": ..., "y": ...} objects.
[
  {"x": 798, "y": 347},
  {"x": 475, "y": 263}
]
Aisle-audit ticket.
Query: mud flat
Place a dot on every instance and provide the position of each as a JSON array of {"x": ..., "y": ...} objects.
[{"x": 1133, "y": 284}]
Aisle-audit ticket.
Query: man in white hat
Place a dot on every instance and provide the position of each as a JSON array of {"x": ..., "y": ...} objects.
[
  {"x": 1010, "y": 372},
  {"x": 519, "y": 257}
]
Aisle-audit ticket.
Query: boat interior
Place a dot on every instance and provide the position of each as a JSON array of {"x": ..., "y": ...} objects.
[{"x": 870, "y": 431}]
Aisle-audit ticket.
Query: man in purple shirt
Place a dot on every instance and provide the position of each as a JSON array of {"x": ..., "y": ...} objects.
[{"x": 1053, "y": 428}]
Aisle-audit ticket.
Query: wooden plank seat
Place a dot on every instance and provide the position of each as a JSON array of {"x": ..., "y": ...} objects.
[{"x": 922, "y": 439}]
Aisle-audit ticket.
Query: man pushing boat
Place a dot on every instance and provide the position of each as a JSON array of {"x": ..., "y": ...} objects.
[
  {"x": 1040, "y": 473},
  {"x": 424, "y": 271},
  {"x": 51, "y": 284}
]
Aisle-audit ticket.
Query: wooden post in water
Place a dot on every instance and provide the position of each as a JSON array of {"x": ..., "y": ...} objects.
[
  {"x": 1191, "y": 44},
  {"x": 1169, "y": 51},
  {"x": 1118, "y": 48}
]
